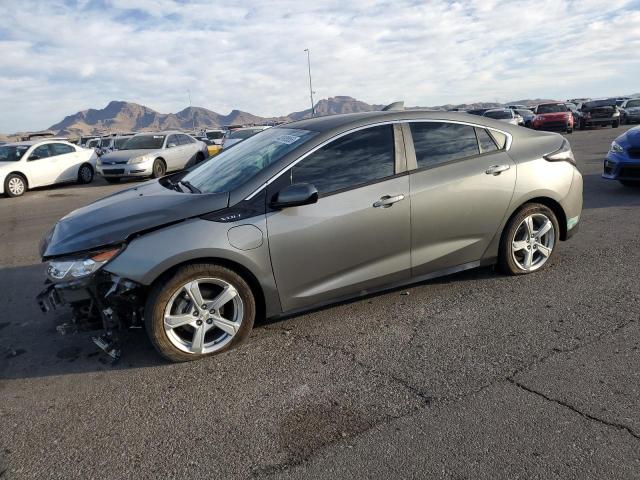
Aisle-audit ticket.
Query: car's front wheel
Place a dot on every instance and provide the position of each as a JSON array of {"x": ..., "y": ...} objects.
[
  {"x": 529, "y": 240},
  {"x": 201, "y": 310},
  {"x": 159, "y": 168},
  {"x": 15, "y": 185}
]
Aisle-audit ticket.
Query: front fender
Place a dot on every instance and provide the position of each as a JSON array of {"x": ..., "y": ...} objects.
[{"x": 147, "y": 257}]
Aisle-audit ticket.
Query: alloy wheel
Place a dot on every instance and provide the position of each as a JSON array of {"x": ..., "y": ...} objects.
[
  {"x": 16, "y": 186},
  {"x": 533, "y": 242},
  {"x": 203, "y": 315}
]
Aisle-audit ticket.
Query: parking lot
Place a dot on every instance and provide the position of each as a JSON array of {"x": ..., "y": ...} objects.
[{"x": 476, "y": 375}]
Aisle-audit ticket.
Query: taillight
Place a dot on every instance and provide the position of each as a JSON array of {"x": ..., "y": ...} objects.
[{"x": 563, "y": 154}]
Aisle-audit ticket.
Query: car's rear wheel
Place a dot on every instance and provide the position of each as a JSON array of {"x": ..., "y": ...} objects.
[
  {"x": 199, "y": 157},
  {"x": 112, "y": 179},
  {"x": 202, "y": 310},
  {"x": 15, "y": 185},
  {"x": 529, "y": 240},
  {"x": 159, "y": 168},
  {"x": 631, "y": 183},
  {"x": 85, "y": 174},
  {"x": 615, "y": 124}
]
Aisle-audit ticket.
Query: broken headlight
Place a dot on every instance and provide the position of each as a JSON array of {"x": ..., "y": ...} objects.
[{"x": 74, "y": 268}]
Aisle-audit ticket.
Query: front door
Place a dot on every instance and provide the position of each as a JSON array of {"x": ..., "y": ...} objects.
[{"x": 356, "y": 238}]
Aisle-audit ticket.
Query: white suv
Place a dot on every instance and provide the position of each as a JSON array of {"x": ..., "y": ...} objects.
[{"x": 36, "y": 163}]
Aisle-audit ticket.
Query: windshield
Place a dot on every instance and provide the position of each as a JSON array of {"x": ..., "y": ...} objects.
[
  {"x": 236, "y": 166},
  {"x": 12, "y": 153},
  {"x": 552, "y": 108},
  {"x": 499, "y": 114},
  {"x": 144, "y": 142},
  {"x": 243, "y": 134},
  {"x": 633, "y": 103},
  {"x": 105, "y": 142},
  {"x": 214, "y": 135}
]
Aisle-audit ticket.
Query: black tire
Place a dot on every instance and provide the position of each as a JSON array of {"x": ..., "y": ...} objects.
[
  {"x": 631, "y": 183},
  {"x": 615, "y": 124},
  {"x": 159, "y": 168},
  {"x": 506, "y": 262},
  {"x": 569, "y": 130},
  {"x": 162, "y": 292},
  {"x": 15, "y": 185},
  {"x": 200, "y": 157},
  {"x": 85, "y": 174},
  {"x": 112, "y": 179},
  {"x": 583, "y": 125}
]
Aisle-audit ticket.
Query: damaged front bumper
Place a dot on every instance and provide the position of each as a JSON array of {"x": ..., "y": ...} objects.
[{"x": 101, "y": 301}]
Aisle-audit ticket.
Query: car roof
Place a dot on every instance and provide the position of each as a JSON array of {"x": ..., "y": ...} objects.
[
  {"x": 348, "y": 121},
  {"x": 29, "y": 143}
]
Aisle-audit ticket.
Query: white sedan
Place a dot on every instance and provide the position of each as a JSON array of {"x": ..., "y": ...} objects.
[{"x": 25, "y": 165}]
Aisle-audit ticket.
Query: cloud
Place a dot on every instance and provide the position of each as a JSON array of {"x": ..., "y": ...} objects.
[{"x": 62, "y": 56}]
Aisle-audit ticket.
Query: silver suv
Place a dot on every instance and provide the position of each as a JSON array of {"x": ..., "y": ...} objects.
[
  {"x": 152, "y": 155},
  {"x": 310, "y": 213}
]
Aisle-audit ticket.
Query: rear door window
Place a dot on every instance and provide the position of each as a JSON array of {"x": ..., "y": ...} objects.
[
  {"x": 60, "y": 149},
  {"x": 351, "y": 161},
  {"x": 441, "y": 142}
]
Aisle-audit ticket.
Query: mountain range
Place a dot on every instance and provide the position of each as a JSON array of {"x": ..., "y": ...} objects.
[{"x": 122, "y": 116}]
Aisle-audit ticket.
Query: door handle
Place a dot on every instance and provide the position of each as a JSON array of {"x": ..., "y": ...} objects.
[
  {"x": 387, "y": 201},
  {"x": 497, "y": 169}
]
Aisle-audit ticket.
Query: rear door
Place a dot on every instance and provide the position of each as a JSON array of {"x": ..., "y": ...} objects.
[
  {"x": 357, "y": 236},
  {"x": 189, "y": 149},
  {"x": 461, "y": 187}
]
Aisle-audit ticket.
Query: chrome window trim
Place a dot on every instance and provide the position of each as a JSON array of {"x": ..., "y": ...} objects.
[{"x": 370, "y": 125}]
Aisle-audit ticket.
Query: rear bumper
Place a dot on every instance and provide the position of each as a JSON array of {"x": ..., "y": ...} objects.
[{"x": 600, "y": 121}]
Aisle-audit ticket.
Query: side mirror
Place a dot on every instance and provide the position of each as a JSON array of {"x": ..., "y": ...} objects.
[
  {"x": 295, "y": 196},
  {"x": 171, "y": 145}
]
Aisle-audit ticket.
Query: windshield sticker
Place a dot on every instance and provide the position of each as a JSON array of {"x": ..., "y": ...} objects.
[{"x": 287, "y": 139}]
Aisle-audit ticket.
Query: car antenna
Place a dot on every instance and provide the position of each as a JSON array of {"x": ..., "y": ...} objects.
[{"x": 394, "y": 106}]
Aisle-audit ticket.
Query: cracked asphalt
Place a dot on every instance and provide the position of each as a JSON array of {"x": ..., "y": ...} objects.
[{"x": 476, "y": 375}]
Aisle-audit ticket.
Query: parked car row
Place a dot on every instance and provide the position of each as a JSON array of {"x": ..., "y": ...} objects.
[{"x": 566, "y": 116}]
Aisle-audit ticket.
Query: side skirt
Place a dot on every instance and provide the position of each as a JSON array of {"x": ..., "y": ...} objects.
[{"x": 386, "y": 288}]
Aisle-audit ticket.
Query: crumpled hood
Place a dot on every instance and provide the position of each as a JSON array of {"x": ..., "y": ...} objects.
[
  {"x": 115, "y": 218},
  {"x": 123, "y": 155}
]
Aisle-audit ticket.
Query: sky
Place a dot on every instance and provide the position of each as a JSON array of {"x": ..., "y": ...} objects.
[{"x": 61, "y": 56}]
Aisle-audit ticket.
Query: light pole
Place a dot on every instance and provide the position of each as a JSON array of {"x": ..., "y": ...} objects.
[
  {"x": 193, "y": 117},
  {"x": 313, "y": 112}
]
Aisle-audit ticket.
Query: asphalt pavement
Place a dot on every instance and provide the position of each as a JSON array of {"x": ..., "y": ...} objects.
[{"x": 476, "y": 375}]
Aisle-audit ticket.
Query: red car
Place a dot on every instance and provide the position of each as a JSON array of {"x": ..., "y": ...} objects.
[{"x": 553, "y": 116}]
